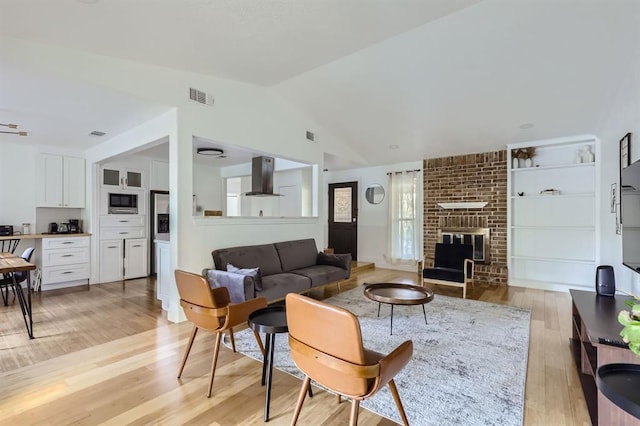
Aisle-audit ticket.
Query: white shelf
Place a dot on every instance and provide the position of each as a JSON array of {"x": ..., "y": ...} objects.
[
  {"x": 555, "y": 166},
  {"x": 556, "y": 228},
  {"x": 553, "y": 239},
  {"x": 555, "y": 260},
  {"x": 463, "y": 205},
  {"x": 575, "y": 195}
]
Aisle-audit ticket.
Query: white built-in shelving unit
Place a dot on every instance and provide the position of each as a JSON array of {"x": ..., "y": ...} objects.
[{"x": 552, "y": 240}]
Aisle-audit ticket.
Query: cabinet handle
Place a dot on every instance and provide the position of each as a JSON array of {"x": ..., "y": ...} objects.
[
  {"x": 123, "y": 233},
  {"x": 112, "y": 246},
  {"x": 137, "y": 245},
  {"x": 67, "y": 255},
  {"x": 67, "y": 272},
  {"x": 123, "y": 221},
  {"x": 67, "y": 242}
]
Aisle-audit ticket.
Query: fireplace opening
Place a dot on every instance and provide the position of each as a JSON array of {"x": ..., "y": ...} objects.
[{"x": 477, "y": 237}]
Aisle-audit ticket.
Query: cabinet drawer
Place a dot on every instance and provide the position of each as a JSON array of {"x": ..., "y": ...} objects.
[
  {"x": 121, "y": 220},
  {"x": 58, "y": 274},
  {"x": 64, "y": 242},
  {"x": 65, "y": 256},
  {"x": 121, "y": 233}
]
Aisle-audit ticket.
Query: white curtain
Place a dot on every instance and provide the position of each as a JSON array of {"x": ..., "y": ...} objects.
[{"x": 404, "y": 235}]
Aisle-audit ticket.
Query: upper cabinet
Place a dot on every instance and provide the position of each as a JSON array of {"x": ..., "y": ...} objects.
[
  {"x": 62, "y": 181},
  {"x": 159, "y": 179},
  {"x": 123, "y": 178}
]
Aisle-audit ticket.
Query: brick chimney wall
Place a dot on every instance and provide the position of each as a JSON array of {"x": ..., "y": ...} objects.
[{"x": 471, "y": 177}]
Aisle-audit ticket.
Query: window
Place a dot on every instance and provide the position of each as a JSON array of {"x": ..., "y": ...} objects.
[{"x": 404, "y": 237}]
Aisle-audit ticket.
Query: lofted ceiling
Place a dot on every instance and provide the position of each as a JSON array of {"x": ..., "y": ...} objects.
[{"x": 399, "y": 80}]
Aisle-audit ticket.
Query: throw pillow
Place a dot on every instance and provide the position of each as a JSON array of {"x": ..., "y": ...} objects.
[
  {"x": 252, "y": 272},
  {"x": 330, "y": 259}
]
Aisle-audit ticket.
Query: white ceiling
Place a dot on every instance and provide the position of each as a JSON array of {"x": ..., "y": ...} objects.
[{"x": 432, "y": 77}]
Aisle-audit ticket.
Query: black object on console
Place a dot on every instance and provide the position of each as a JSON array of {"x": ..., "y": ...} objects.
[{"x": 605, "y": 281}]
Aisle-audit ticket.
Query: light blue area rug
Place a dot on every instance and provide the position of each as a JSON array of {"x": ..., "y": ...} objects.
[{"x": 469, "y": 362}]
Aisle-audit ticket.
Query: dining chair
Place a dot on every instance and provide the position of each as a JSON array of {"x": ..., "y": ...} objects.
[
  {"x": 7, "y": 280},
  {"x": 326, "y": 345},
  {"x": 212, "y": 310}
]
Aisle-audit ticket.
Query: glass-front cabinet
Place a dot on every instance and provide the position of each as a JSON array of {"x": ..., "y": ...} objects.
[{"x": 122, "y": 178}]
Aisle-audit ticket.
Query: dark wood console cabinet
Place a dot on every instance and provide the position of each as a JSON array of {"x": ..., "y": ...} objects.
[{"x": 596, "y": 317}]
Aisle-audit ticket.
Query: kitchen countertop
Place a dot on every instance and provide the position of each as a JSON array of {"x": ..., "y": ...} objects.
[{"x": 40, "y": 236}]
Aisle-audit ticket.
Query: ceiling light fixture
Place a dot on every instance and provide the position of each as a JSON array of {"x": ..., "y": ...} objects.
[
  {"x": 12, "y": 126},
  {"x": 526, "y": 126},
  {"x": 212, "y": 152},
  {"x": 15, "y": 133}
]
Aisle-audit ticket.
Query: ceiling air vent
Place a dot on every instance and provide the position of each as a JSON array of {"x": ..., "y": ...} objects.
[
  {"x": 97, "y": 133},
  {"x": 310, "y": 136},
  {"x": 200, "y": 96}
]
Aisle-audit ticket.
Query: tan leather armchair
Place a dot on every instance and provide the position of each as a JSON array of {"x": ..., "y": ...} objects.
[
  {"x": 326, "y": 345},
  {"x": 211, "y": 310}
]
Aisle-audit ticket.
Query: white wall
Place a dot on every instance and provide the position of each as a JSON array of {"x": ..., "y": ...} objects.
[
  {"x": 372, "y": 218},
  {"x": 624, "y": 116}
]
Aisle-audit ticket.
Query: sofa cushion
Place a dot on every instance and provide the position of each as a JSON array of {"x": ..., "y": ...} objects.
[
  {"x": 263, "y": 256},
  {"x": 251, "y": 272},
  {"x": 297, "y": 254},
  {"x": 240, "y": 287},
  {"x": 322, "y": 274},
  {"x": 277, "y": 286},
  {"x": 445, "y": 274},
  {"x": 340, "y": 260}
]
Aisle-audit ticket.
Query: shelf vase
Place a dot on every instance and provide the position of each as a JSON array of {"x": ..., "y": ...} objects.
[{"x": 514, "y": 163}]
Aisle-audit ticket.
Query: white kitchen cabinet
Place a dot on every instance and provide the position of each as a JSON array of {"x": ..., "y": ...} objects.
[
  {"x": 163, "y": 268},
  {"x": 552, "y": 214},
  {"x": 123, "y": 247},
  {"x": 123, "y": 178},
  {"x": 135, "y": 258},
  {"x": 62, "y": 181},
  {"x": 64, "y": 261},
  {"x": 111, "y": 260}
]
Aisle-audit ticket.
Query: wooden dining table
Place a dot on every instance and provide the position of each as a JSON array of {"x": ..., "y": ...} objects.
[{"x": 9, "y": 264}]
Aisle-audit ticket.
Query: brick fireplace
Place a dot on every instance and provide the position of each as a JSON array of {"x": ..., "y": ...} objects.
[{"x": 469, "y": 178}]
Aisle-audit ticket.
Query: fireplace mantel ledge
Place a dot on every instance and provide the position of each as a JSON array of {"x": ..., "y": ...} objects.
[{"x": 464, "y": 205}]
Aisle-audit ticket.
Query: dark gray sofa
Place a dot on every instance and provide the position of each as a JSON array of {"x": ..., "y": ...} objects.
[{"x": 284, "y": 267}]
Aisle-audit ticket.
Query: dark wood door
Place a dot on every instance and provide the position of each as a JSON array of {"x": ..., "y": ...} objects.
[{"x": 343, "y": 218}]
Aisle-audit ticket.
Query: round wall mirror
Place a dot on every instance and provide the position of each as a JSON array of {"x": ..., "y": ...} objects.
[{"x": 374, "y": 194}]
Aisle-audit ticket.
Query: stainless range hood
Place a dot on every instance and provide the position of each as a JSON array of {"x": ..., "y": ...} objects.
[{"x": 262, "y": 177}]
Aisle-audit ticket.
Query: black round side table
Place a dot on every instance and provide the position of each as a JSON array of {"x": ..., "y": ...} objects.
[{"x": 271, "y": 321}]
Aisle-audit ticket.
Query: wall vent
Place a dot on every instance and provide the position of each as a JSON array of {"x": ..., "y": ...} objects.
[
  {"x": 97, "y": 133},
  {"x": 200, "y": 96},
  {"x": 310, "y": 136}
]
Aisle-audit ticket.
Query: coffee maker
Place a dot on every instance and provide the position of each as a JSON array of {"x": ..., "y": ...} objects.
[{"x": 74, "y": 226}]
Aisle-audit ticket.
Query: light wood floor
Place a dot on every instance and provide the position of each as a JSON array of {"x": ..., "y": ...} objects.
[{"x": 107, "y": 355}]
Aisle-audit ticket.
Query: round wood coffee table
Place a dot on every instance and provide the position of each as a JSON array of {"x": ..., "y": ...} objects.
[{"x": 398, "y": 294}]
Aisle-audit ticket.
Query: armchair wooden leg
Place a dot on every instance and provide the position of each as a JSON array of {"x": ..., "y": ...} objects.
[
  {"x": 464, "y": 291},
  {"x": 233, "y": 341},
  {"x": 339, "y": 399},
  {"x": 186, "y": 352},
  {"x": 355, "y": 406},
  {"x": 259, "y": 341},
  {"x": 396, "y": 398},
  {"x": 339, "y": 289},
  {"x": 216, "y": 350},
  {"x": 303, "y": 393}
]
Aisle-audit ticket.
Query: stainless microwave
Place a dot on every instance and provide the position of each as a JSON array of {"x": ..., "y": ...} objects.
[{"x": 123, "y": 203}]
